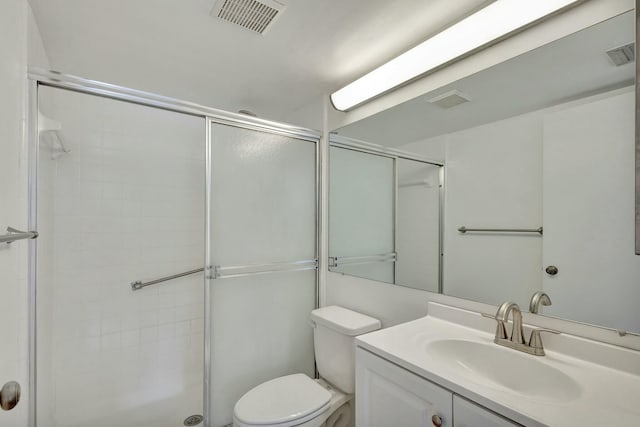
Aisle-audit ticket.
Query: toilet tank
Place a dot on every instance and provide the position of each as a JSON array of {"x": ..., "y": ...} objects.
[{"x": 334, "y": 332}]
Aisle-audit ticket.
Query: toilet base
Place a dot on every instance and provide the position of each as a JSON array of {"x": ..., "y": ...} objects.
[{"x": 335, "y": 416}]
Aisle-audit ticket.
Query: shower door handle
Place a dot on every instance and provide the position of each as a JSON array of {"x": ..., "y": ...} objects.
[{"x": 9, "y": 395}]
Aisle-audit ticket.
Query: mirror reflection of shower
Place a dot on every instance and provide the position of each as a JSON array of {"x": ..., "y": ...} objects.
[{"x": 50, "y": 132}]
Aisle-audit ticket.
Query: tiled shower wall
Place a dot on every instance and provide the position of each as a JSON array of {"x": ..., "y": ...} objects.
[{"x": 128, "y": 204}]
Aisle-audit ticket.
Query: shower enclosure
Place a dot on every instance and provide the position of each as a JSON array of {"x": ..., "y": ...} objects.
[
  {"x": 385, "y": 214},
  {"x": 176, "y": 263}
]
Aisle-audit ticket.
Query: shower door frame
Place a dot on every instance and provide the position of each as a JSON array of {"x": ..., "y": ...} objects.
[
  {"x": 40, "y": 77},
  {"x": 353, "y": 144}
]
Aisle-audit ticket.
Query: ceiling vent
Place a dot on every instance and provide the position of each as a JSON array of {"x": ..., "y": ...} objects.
[
  {"x": 256, "y": 16},
  {"x": 450, "y": 99},
  {"x": 623, "y": 54}
]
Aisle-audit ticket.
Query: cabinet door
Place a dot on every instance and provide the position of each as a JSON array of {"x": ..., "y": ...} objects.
[
  {"x": 387, "y": 395},
  {"x": 468, "y": 414}
]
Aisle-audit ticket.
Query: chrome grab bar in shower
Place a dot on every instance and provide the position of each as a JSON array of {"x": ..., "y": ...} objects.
[
  {"x": 139, "y": 284},
  {"x": 14, "y": 234},
  {"x": 335, "y": 261},
  {"x": 219, "y": 272},
  {"x": 538, "y": 230}
]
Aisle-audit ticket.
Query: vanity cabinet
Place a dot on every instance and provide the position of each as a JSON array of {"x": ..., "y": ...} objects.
[
  {"x": 469, "y": 414},
  {"x": 388, "y": 395}
]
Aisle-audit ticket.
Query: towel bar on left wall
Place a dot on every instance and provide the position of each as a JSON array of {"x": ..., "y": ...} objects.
[{"x": 15, "y": 234}]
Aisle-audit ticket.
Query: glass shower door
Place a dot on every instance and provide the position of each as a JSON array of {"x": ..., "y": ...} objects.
[
  {"x": 263, "y": 253},
  {"x": 120, "y": 199}
]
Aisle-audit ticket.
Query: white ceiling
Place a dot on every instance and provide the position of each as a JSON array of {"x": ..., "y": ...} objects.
[
  {"x": 175, "y": 48},
  {"x": 572, "y": 67}
]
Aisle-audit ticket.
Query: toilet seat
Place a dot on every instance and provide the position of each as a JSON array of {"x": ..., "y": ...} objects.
[{"x": 283, "y": 402}]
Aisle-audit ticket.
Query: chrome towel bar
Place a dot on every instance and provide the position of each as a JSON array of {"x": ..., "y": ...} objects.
[
  {"x": 219, "y": 272},
  {"x": 14, "y": 234},
  {"x": 139, "y": 284},
  {"x": 335, "y": 261},
  {"x": 538, "y": 230}
]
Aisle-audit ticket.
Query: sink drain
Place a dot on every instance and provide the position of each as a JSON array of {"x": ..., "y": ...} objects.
[{"x": 193, "y": 420}]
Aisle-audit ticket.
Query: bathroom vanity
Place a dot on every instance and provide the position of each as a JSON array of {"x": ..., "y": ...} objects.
[
  {"x": 445, "y": 370},
  {"x": 399, "y": 397}
]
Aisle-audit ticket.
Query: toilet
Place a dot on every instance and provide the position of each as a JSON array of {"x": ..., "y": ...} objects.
[{"x": 297, "y": 400}]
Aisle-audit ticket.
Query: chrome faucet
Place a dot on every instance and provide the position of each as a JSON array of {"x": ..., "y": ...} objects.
[
  {"x": 517, "y": 341},
  {"x": 537, "y": 299},
  {"x": 502, "y": 316}
]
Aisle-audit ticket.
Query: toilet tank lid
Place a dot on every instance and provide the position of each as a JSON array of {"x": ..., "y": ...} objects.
[{"x": 344, "y": 321}]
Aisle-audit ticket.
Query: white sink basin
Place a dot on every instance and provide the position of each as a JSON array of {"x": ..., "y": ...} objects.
[{"x": 499, "y": 367}]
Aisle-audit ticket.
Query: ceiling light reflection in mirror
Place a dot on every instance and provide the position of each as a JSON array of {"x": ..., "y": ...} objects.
[{"x": 499, "y": 19}]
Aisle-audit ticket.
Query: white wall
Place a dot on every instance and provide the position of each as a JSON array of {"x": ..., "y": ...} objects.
[
  {"x": 20, "y": 45},
  {"x": 392, "y": 304},
  {"x": 494, "y": 180},
  {"x": 434, "y": 148},
  {"x": 13, "y": 202},
  {"x": 589, "y": 177},
  {"x": 36, "y": 53}
]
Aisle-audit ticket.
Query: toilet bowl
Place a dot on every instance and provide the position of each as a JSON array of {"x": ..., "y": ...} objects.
[
  {"x": 292, "y": 400},
  {"x": 297, "y": 400}
]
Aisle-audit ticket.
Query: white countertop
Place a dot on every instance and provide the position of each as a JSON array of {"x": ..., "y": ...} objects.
[{"x": 608, "y": 395}]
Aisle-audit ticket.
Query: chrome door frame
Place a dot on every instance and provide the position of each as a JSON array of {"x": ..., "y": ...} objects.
[{"x": 637, "y": 136}]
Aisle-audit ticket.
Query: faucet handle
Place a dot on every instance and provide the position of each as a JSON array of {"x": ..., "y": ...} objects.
[
  {"x": 538, "y": 298},
  {"x": 501, "y": 329},
  {"x": 535, "y": 341}
]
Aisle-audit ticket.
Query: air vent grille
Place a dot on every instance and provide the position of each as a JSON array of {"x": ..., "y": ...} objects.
[
  {"x": 623, "y": 54},
  {"x": 450, "y": 99},
  {"x": 253, "y": 15}
]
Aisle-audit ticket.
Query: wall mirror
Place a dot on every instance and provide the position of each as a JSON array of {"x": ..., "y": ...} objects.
[
  {"x": 538, "y": 184},
  {"x": 384, "y": 214}
]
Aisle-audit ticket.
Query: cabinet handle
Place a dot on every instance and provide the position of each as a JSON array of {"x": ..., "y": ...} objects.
[{"x": 437, "y": 420}]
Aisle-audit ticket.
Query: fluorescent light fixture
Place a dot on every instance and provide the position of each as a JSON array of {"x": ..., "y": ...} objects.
[{"x": 497, "y": 20}]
